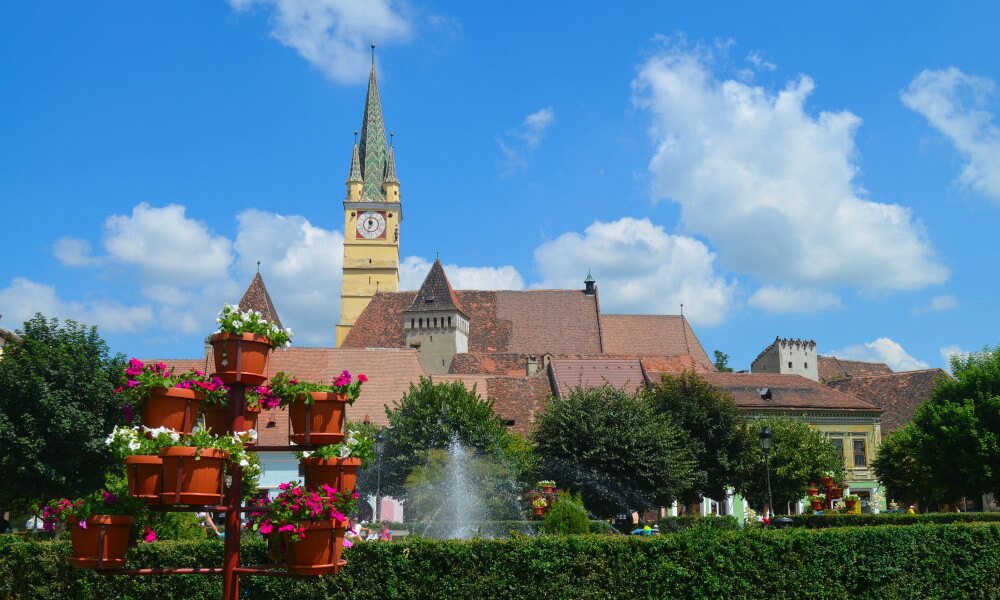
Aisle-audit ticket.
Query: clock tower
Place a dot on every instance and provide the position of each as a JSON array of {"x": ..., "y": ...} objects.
[{"x": 372, "y": 215}]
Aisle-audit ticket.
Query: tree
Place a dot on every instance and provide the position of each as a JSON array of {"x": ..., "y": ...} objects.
[
  {"x": 898, "y": 466},
  {"x": 57, "y": 404},
  {"x": 615, "y": 449},
  {"x": 429, "y": 417},
  {"x": 722, "y": 362},
  {"x": 799, "y": 455},
  {"x": 716, "y": 426}
]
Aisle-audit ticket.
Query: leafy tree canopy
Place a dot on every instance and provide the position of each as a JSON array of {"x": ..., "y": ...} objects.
[
  {"x": 57, "y": 404},
  {"x": 722, "y": 362},
  {"x": 615, "y": 449},
  {"x": 799, "y": 455},
  {"x": 900, "y": 469},
  {"x": 716, "y": 426}
]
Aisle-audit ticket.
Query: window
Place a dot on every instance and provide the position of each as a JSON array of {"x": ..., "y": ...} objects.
[
  {"x": 449, "y": 321},
  {"x": 789, "y": 364},
  {"x": 435, "y": 321},
  {"x": 411, "y": 323},
  {"x": 805, "y": 365},
  {"x": 860, "y": 460},
  {"x": 421, "y": 323},
  {"x": 838, "y": 443}
]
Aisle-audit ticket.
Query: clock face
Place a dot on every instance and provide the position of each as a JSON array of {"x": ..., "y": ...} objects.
[{"x": 371, "y": 225}]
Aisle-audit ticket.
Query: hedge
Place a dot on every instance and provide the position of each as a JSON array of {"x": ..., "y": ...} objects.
[
  {"x": 484, "y": 528},
  {"x": 921, "y": 561},
  {"x": 685, "y": 522},
  {"x": 845, "y": 520}
]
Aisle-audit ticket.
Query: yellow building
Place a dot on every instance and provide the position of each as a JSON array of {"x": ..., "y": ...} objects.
[{"x": 372, "y": 216}]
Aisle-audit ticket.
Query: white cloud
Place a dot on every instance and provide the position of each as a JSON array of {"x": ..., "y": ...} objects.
[
  {"x": 524, "y": 140},
  {"x": 792, "y": 299},
  {"x": 23, "y": 298},
  {"x": 882, "y": 350},
  {"x": 639, "y": 267},
  {"x": 947, "y": 352},
  {"x": 772, "y": 186},
  {"x": 414, "y": 269},
  {"x": 166, "y": 246},
  {"x": 937, "y": 304},
  {"x": 74, "y": 252},
  {"x": 955, "y": 104},
  {"x": 301, "y": 265},
  {"x": 334, "y": 35},
  {"x": 757, "y": 60}
]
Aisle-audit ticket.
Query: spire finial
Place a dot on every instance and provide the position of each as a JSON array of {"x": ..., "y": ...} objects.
[
  {"x": 355, "y": 136},
  {"x": 258, "y": 267},
  {"x": 437, "y": 255},
  {"x": 682, "y": 309},
  {"x": 392, "y": 139},
  {"x": 373, "y": 55}
]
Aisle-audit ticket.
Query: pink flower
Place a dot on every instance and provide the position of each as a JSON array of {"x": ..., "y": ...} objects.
[
  {"x": 110, "y": 498},
  {"x": 363, "y": 378},
  {"x": 347, "y": 543},
  {"x": 132, "y": 383},
  {"x": 284, "y": 486},
  {"x": 149, "y": 536},
  {"x": 266, "y": 527},
  {"x": 284, "y": 528},
  {"x": 119, "y": 389},
  {"x": 82, "y": 523}
]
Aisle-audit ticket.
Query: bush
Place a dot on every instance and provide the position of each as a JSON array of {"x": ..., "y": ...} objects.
[
  {"x": 683, "y": 523},
  {"x": 567, "y": 515},
  {"x": 845, "y": 520},
  {"x": 920, "y": 561}
]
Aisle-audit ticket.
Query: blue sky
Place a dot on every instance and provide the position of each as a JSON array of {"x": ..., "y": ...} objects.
[{"x": 809, "y": 171}]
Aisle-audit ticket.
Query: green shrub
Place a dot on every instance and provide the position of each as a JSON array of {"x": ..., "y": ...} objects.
[
  {"x": 844, "y": 520},
  {"x": 920, "y": 561},
  {"x": 567, "y": 515},
  {"x": 683, "y": 523}
]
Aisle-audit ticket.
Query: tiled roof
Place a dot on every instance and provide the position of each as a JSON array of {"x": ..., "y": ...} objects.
[
  {"x": 520, "y": 322},
  {"x": 257, "y": 298},
  {"x": 389, "y": 372},
  {"x": 586, "y": 373},
  {"x": 372, "y": 150},
  {"x": 652, "y": 335},
  {"x": 517, "y": 399},
  {"x": 491, "y": 363},
  {"x": 180, "y": 365},
  {"x": 674, "y": 364},
  {"x": 832, "y": 368},
  {"x": 898, "y": 394},
  {"x": 788, "y": 392},
  {"x": 435, "y": 293}
]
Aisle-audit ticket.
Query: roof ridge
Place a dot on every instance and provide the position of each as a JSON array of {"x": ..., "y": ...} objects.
[{"x": 435, "y": 284}]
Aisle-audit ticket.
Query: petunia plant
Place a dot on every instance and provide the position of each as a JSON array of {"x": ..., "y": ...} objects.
[
  {"x": 142, "y": 378},
  {"x": 101, "y": 502},
  {"x": 237, "y": 322},
  {"x": 131, "y": 441},
  {"x": 234, "y": 444},
  {"x": 287, "y": 389},
  {"x": 297, "y": 505},
  {"x": 358, "y": 444}
]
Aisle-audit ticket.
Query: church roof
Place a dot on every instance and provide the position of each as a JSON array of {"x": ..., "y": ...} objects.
[
  {"x": 585, "y": 373},
  {"x": 832, "y": 368},
  {"x": 355, "y": 174},
  {"x": 257, "y": 298},
  {"x": 390, "y": 169},
  {"x": 373, "y": 151},
  {"x": 435, "y": 293},
  {"x": 518, "y": 322},
  {"x": 653, "y": 335},
  {"x": 898, "y": 394},
  {"x": 788, "y": 392}
]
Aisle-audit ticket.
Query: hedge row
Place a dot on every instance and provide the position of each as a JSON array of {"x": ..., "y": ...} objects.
[
  {"x": 922, "y": 561},
  {"x": 483, "y": 528},
  {"x": 685, "y": 522},
  {"x": 844, "y": 520}
]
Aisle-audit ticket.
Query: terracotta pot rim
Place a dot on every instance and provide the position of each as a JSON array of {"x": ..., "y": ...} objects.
[
  {"x": 176, "y": 392},
  {"x": 107, "y": 520},
  {"x": 328, "y": 397},
  {"x": 326, "y": 524},
  {"x": 351, "y": 461},
  {"x": 143, "y": 459},
  {"x": 191, "y": 451},
  {"x": 247, "y": 337}
]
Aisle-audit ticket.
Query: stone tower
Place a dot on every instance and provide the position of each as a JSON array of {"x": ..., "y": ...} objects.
[
  {"x": 788, "y": 356},
  {"x": 435, "y": 324},
  {"x": 372, "y": 215}
]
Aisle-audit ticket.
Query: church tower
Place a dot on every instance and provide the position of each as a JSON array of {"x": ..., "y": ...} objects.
[{"x": 372, "y": 215}]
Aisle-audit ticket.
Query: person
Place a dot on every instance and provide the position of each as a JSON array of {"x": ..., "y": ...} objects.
[
  {"x": 205, "y": 520},
  {"x": 910, "y": 510},
  {"x": 385, "y": 535}
]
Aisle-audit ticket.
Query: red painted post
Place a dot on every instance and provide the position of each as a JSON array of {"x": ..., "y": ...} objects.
[{"x": 231, "y": 561}]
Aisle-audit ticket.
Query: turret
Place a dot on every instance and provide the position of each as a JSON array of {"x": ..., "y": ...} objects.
[{"x": 435, "y": 324}]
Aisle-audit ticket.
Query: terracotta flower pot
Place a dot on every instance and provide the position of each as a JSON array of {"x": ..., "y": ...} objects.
[
  {"x": 219, "y": 421},
  {"x": 103, "y": 543},
  {"x": 817, "y": 504},
  {"x": 319, "y": 552},
  {"x": 836, "y": 492},
  {"x": 190, "y": 481},
  {"x": 812, "y": 491},
  {"x": 826, "y": 481},
  {"x": 144, "y": 474},
  {"x": 320, "y": 423},
  {"x": 850, "y": 504},
  {"x": 547, "y": 489},
  {"x": 538, "y": 510},
  {"x": 240, "y": 358},
  {"x": 339, "y": 473},
  {"x": 174, "y": 408}
]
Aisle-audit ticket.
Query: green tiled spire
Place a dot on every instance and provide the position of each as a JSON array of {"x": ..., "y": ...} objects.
[
  {"x": 355, "y": 175},
  {"x": 373, "y": 150},
  {"x": 390, "y": 169}
]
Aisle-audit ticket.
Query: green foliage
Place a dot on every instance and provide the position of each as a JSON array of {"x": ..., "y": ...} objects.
[
  {"x": 360, "y": 443},
  {"x": 57, "y": 404},
  {"x": 175, "y": 526},
  {"x": 685, "y": 522},
  {"x": 428, "y": 417},
  {"x": 615, "y": 449},
  {"x": 717, "y": 428},
  {"x": 900, "y": 468},
  {"x": 847, "y": 520},
  {"x": 921, "y": 561},
  {"x": 567, "y": 515},
  {"x": 799, "y": 455},
  {"x": 722, "y": 362}
]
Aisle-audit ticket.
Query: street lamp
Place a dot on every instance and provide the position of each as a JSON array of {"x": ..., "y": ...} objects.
[
  {"x": 379, "y": 447},
  {"x": 765, "y": 444}
]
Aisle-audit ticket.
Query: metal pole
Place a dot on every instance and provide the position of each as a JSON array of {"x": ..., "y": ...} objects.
[
  {"x": 770, "y": 498},
  {"x": 231, "y": 561},
  {"x": 378, "y": 489}
]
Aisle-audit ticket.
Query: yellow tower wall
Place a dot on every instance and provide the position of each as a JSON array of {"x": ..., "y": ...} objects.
[{"x": 369, "y": 265}]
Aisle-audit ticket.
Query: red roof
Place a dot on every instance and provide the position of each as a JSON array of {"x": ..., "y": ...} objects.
[
  {"x": 586, "y": 373},
  {"x": 517, "y": 399},
  {"x": 653, "y": 335},
  {"x": 788, "y": 392},
  {"x": 897, "y": 394},
  {"x": 832, "y": 368}
]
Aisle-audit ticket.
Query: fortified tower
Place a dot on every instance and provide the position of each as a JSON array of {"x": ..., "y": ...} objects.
[{"x": 372, "y": 215}]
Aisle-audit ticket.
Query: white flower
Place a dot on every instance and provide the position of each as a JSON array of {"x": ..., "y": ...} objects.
[
  {"x": 133, "y": 445},
  {"x": 345, "y": 452},
  {"x": 176, "y": 437},
  {"x": 306, "y": 453},
  {"x": 244, "y": 463}
]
